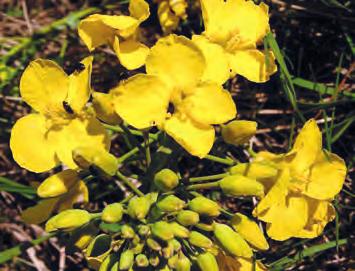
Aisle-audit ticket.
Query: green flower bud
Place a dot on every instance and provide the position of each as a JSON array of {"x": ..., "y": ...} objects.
[
  {"x": 81, "y": 237},
  {"x": 162, "y": 230},
  {"x": 127, "y": 232},
  {"x": 126, "y": 260},
  {"x": 183, "y": 263},
  {"x": 85, "y": 157},
  {"x": 187, "y": 218},
  {"x": 138, "y": 248},
  {"x": 143, "y": 230},
  {"x": 207, "y": 262},
  {"x": 199, "y": 240},
  {"x": 239, "y": 185},
  {"x": 68, "y": 220},
  {"x": 205, "y": 226},
  {"x": 154, "y": 245},
  {"x": 154, "y": 260},
  {"x": 166, "y": 180},
  {"x": 172, "y": 261},
  {"x": 179, "y": 231},
  {"x": 254, "y": 170},
  {"x": 168, "y": 251},
  {"x": 204, "y": 206},
  {"x": 142, "y": 260},
  {"x": 58, "y": 184},
  {"x": 231, "y": 241},
  {"x": 170, "y": 203},
  {"x": 238, "y": 132},
  {"x": 112, "y": 213},
  {"x": 176, "y": 245},
  {"x": 138, "y": 207}
]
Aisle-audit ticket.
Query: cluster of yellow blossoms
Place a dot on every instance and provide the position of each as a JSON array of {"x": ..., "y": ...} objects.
[{"x": 181, "y": 93}]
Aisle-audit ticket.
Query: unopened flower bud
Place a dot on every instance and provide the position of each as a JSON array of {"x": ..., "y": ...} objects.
[
  {"x": 239, "y": 132},
  {"x": 199, "y": 240},
  {"x": 85, "y": 157},
  {"x": 205, "y": 226},
  {"x": 126, "y": 260},
  {"x": 58, "y": 184},
  {"x": 178, "y": 230},
  {"x": 239, "y": 185},
  {"x": 231, "y": 241},
  {"x": 109, "y": 262},
  {"x": 142, "y": 260},
  {"x": 104, "y": 108},
  {"x": 166, "y": 180},
  {"x": 168, "y": 250},
  {"x": 68, "y": 220},
  {"x": 187, "y": 218},
  {"x": 154, "y": 245},
  {"x": 81, "y": 237},
  {"x": 254, "y": 170},
  {"x": 112, "y": 213},
  {"x": 154, "y": 260},
  {"x": 170, "y": 203},
  {"x": 143, "y": 230},
  {"x": 173, "y": 260},
  {"x": 127, "y": 232},
  {"x": 176, "y": 244},
  {"x": 183, "y": 263},
  {"x": 207, "y": 262},
  {"x": 138, "y": 207},
  {"x": 249, "y": 230},
  {"x": 162, "y": 230},
  {"x": 204, "y": 206}
]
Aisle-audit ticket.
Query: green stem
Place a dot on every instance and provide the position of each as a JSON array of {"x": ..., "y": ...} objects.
[
  {"x": 202, "y": 186},
  {"x": 225, "y": 161},
  {"x": 208, "y": 178},
  {"x": 133, "y": 132},
  {"x": 147, "y": 149},
  {"x": 127, "y": 182}
]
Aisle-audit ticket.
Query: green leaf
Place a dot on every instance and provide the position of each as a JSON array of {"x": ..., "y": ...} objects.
[
  {"x": 287, "y": 261},
  {"x": 108, "y": 227}
]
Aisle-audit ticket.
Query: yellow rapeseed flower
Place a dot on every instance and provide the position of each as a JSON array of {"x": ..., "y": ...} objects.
[
  {"x": 118, "y": 31},
  {"x": 233, "y": 30},
  {"x": 40, "y": 141},
  {"x": 298, "y": 198},
  {"x": 175, "y": 69},
  {"x": 60, "y": 192},
  {"x": 170, "y": 12}
]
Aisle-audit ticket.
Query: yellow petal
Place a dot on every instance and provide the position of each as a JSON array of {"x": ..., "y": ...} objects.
[
  {"x": 79, "y": 86},
  {"x": 196, "y": 139},
  {"x": 167, "y": 19},
  {"x": 97, "y": 29},
  {"x": 179, "y": 8},
  {"x": 40, "y": 212},
  {"x": 177, "y": 60},
  {"x": 210, "y": 104},
  {"x": 289, "y": 219},
  {"x": 77, "y": 133},
  {"x": 252, "y": 64},
  {"x": 44, "y": 86},
  {"x": 79, "y": 193},
  {"x": 239, "y": 132},
  {"x": 58, "y": 184},
  {"x": 249, "y": 230},
  {"x": 217, "y": 66},
  {"x": 139, "y": 9},
  {"x": 320, "y": 214},
  {"x": 307, "y": 147},
  {"x": 104, "y": 109},
  {"x": 30, "y": 146},
  {"x": 327, "y": 177},
  {"x": 276, "y": 196},
  {"x": 229, "y": 263},
  {"x": 132, "y": 54},
  {"x": 142, "y": 100}
]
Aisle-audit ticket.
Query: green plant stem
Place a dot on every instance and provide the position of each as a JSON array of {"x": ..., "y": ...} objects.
[
  {"x": 133, "y": 132},
  {"x": 147, "y": 149},
  {"x": 225, "y": 161},
  {"x": 202, "y": 186},
  {"x": 127, "y": 182},
  {"x": 208, "y": 178}
]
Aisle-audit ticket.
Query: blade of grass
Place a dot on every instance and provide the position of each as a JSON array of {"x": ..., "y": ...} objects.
[{"x": 11, "y": 186}]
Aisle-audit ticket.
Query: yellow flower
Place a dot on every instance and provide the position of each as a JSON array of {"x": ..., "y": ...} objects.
[
  {"x": 298, "y": 198},
  {"x": 175, "y": 69},
  {"x": 233, "y": 30},
  {"x": 170, "y": 12},
  {"x": 60, "y": 192},
  {"x": 118, "y": 31},
  {"x": 40, "y": 141}
]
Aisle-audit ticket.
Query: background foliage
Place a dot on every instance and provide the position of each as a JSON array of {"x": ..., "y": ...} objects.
[{"x": 315, "y": 51}]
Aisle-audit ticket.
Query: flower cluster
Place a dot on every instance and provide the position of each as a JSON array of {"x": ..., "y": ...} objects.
[{"x": 168, "y": 224}]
